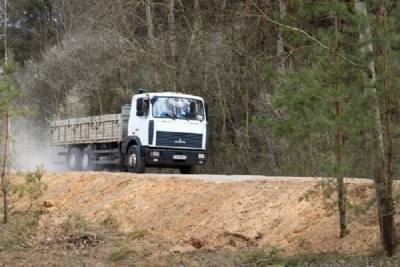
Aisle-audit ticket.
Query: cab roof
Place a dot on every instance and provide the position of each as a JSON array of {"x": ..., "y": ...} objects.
[{"x": 168, "y": 94}]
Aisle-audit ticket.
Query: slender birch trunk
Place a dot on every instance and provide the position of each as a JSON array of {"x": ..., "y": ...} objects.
[
  {"x": 5, "y": 32},
  {"x": 150, "y": 25},
  {"x": 150, "y": 35},
  {"x": 198, "y": 30},
  {"x": 383, "y": 183},
  {"x": 197, "y": 24},
  {"x": 172, "y": 40}
]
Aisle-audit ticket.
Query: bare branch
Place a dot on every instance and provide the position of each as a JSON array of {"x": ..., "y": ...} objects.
[{"x": 309, "y": 36}]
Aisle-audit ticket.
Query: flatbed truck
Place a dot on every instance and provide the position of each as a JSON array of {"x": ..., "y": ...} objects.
[{"x": 156, "y": 130}]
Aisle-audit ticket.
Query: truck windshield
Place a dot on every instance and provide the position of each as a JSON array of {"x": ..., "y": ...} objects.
[{"x": 178, "y": 108}]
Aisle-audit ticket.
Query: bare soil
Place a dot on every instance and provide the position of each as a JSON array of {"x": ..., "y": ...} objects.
[{"x": 121, "y": 217}]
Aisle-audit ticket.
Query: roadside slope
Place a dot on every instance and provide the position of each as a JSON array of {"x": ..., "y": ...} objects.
[{"x": 293, "y": 214}]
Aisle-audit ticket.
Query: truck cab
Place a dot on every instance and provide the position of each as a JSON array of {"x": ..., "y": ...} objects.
[
  {"x": 156, "y": 130},
  {"x": 166, "y": 130}
]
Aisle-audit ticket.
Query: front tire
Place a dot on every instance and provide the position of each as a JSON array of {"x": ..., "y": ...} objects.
[
  {"x": 74, "y": 158},
  {"x": 187, "y": 169},
  {"x": 134, "y": 161}
]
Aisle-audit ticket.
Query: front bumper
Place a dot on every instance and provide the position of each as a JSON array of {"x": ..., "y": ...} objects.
[{"x": 166, "y": 157}]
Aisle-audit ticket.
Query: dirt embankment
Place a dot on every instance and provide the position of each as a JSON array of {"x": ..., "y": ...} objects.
[{"x": 296, "y": 215}]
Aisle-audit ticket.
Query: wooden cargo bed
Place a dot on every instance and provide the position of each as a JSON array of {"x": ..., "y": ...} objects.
[{"x": 97, "y": 129}]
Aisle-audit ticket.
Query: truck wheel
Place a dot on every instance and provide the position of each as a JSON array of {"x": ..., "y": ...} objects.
[
  {"x": 74, "y": 159},
  {"x": 134, "y": 161},
  {"x": 87, "y": 160},
  {"x": 187, "y": 169}
]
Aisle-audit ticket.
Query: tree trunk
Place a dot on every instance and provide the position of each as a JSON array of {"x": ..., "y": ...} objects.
[
  {"x": 172, "y": 40},
  {"x": 383, "y": 184},
  {"x": 220, "y": 20},
  {"x": 4, "y": 178},
  {"x": 150, "y": 25},
  {"x": 5, "y": 32},
  {"x": 341, "y": 188},
  {"x": 197, "y": 34},
  {"x": 280, "y": 43},
  {"x": 389, "y": 235},
  {"x": 150, "y": 35},
  {"x": 197, "y": 24}
]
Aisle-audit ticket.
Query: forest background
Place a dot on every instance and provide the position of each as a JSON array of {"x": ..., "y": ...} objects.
[{"x": 275, "y": 73}]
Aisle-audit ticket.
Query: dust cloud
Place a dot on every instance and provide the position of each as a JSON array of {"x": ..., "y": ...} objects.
[{"x": 30, "y": 147}]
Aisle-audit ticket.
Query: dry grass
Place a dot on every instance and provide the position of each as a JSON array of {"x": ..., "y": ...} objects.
[
  {"x": 18, "y": 232},
  {"x": 138, "y": 248},
  {"x": 103, "y": 219}
]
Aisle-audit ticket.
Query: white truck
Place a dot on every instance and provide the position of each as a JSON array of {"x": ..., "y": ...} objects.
[{"x": 156, "y": 130}]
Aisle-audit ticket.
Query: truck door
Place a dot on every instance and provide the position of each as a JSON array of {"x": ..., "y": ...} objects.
[{"x": 138, "y": 122}]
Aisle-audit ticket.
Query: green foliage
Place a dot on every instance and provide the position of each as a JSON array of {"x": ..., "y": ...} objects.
[
  {"x": 328, "y": 188},
  {"x": 120, "y": 253},
  {"x": 16, "y": 234},
  {"x": 8, "y": 91},
  {"x": 67, "y": 72},
  {"x": 137, "y": 234},
  {"x": 357, "y": 209},
  {"x": 360, "y": 209},
  {"x": 264, "y": 257},
  {"x": 8, "y": 109},
  {"x": 308, "y": 95},
  {"x": 274, "y": 257},
  {"x": 110, "y": 222},
  {"x": 309, "y": 195},
  {"x": 33, "y": 186},
  {"x": 75, "y": 225},
  {"x": 32, "y": 25}
]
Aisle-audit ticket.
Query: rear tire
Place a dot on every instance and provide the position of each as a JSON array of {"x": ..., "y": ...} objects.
[
  {"x": 87, "y": 160},
  {"x": 74, "y": 159},
  {"x": 134, "y": 161},
  {"x": 187, "y": 169}
]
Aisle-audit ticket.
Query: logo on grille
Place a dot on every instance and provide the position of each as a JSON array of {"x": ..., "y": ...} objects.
[{"x": 180, "y": 141}]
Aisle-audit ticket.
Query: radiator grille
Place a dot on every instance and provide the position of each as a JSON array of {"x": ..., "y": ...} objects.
[{"x": 172, "y": 139}]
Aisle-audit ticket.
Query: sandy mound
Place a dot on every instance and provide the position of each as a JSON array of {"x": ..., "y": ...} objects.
[{"x": 296, "y": 215}]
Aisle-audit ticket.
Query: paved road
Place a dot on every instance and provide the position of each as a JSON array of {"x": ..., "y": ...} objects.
[
  {"x": 234, "y": 178},
  {"x": 237, "y": 178}
]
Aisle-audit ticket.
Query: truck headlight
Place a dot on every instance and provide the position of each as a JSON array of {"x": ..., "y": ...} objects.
[
  {"x": 202, "y": 156},
  {"x": 155, "y": 153}
]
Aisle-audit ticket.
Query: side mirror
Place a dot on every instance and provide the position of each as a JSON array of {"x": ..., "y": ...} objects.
[
  {"x": 142, "y": 107},
  {"x": 139, "y": 107},
  {"x": 192, "y": 107},
  {"x": 206, "y": 109}
]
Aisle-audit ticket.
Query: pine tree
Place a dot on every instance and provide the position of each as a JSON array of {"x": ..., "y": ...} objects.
[
  {"x": 379, "y": 32},
  {"x": 320, "y": 97},
  {"x": 8, "y": 94}
]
